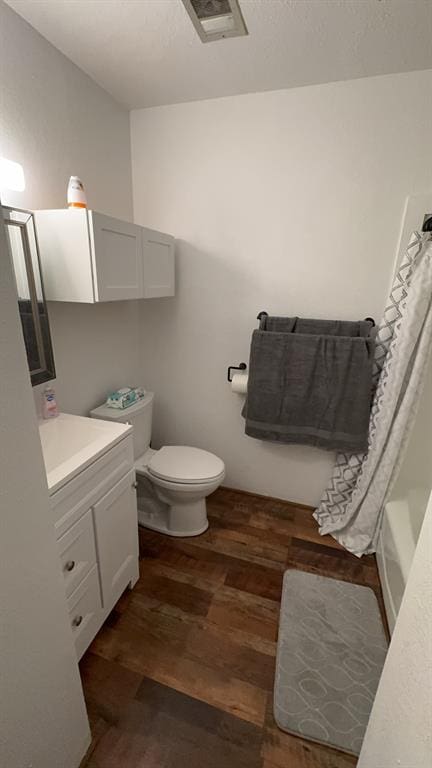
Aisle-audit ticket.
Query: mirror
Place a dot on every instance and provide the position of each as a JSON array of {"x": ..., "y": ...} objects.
[{"x": 21, "y": 234}]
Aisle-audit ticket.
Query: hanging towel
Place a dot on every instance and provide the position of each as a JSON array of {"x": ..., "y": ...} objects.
[
  {"x": 310, "y": 388},
  {"x": 307, "y": 325}
]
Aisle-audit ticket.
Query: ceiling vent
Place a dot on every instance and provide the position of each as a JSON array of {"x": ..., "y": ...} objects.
[{"x": 216, "y": 19}]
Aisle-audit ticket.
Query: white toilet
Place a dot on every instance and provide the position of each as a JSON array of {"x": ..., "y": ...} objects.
[{"x": 174, "y": 481}]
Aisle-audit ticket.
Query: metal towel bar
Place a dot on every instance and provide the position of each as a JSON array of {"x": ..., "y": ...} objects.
[{"x": 265, "y": 314}]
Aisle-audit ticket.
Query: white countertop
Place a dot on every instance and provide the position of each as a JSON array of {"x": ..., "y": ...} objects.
[{"x": 71, "y": 443}]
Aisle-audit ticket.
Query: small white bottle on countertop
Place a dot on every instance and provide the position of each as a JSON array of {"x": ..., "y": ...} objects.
[{"x": 49, "y": 403}]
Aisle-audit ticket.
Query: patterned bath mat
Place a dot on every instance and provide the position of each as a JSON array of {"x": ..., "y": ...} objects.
[{"x": 331, "y": 650}]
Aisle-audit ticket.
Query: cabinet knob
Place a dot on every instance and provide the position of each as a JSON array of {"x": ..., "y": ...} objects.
[
  {"x": 135, "y": 484},
  {"x": 77, "y": 621},
  {"x": 70, "y": 565}
]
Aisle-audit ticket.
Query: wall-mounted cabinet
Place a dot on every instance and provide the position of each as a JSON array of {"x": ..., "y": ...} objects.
[{"x": 89, "y": 257}]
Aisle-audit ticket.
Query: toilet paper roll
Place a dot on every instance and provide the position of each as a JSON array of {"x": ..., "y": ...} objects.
[{"x": 239, "y": 383}]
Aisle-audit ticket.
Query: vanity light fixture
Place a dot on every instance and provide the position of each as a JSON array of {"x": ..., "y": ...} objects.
[
  {"x": 216, "y": 19},
  {"x": 11, "y": 175}
]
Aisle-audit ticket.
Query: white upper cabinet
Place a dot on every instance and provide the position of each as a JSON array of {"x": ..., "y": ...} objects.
[
  {"x": 89, "y": 257},
  {"x": 158, "y": 264}
]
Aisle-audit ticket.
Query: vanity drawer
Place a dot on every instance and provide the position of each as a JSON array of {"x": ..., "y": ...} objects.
[
  {"x": 84, "y": 490},
  {"x": 77, "y": 552},
  {"x": 84, "y": 607}
]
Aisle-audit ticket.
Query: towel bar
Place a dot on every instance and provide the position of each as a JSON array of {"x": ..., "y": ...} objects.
[{"x": 263, "y": 313}]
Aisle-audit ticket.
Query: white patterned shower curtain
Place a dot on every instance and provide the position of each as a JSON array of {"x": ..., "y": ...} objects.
[{"x": 351, "y": 507}]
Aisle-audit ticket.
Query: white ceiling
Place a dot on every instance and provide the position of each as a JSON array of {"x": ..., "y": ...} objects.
[{"x": 146, "y": 52}]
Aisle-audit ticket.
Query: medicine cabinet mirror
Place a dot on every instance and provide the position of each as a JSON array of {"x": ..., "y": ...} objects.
[{"x": 21, "y": 235}]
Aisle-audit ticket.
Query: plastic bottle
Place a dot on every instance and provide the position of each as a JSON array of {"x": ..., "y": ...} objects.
[
  {"x": 49, "y": 403},
  {"x": 76, "y": 196}
]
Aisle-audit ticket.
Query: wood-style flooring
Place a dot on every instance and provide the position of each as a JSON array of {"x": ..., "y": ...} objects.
[{"x": 181, "y": 674}]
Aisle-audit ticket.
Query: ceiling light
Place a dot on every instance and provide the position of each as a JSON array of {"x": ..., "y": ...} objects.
[{"x": 216, "y": 19}]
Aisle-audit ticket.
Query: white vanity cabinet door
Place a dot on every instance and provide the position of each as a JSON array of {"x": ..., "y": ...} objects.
[
  {"x": 158, "y": 264},
  {"x": 116, "y": 252},
  {"x": 116, "y": 529}
]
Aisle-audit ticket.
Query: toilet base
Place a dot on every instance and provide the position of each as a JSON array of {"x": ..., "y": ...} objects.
[
  {"x": 161, "y": 526},
  {"x": 175, "y": 520}
]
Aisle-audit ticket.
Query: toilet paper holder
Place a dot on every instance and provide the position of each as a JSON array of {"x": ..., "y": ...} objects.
[{"x": 239, "y": 367}]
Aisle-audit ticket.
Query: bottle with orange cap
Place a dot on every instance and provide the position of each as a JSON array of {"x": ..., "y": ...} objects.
[{"x": 76, "y": 196}]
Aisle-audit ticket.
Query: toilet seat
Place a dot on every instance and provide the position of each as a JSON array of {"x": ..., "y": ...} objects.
[{"x": 183, "y": 464}]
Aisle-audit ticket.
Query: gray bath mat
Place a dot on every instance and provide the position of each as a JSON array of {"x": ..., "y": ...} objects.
[{"x": 331, "y": 651}]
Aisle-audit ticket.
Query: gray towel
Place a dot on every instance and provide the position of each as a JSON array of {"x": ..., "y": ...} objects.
[
  {"x": 306, "y": 325},
  {"x": 308, "y": 388}
]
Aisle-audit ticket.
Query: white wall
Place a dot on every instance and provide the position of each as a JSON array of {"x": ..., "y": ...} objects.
[
  {"x": 56, "y": 122},
  {"x": 43, "y": 718},
  {"x": 289, "y": 201},
  {"x": 399, "y": 731}
]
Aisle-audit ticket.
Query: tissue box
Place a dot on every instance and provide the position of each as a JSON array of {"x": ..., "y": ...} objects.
[{"x": 125, "y": 397}]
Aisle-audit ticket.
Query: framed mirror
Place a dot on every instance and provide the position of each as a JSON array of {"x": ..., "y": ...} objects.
[{"x": 21, "y": 234}]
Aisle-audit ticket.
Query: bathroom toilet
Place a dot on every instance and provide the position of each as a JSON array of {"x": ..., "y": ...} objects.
[{"x": 172, "y": 482}]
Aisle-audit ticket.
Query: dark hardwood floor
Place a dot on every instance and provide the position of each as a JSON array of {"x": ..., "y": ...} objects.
[{"x": 181, "y": 674}]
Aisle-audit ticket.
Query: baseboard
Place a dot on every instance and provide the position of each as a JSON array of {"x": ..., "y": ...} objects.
[{"x": 296, "y": 504}]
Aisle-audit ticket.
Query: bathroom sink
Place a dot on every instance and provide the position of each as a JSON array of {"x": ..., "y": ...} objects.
[{"x": 70, "y": 443}]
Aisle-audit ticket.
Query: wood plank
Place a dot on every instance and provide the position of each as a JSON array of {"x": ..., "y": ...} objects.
[
  {"x": 244, "y": 544},
  {"x": 326, "y": 561},
  {"x": 223, "y": 652},
  {"x": 150, "y": 566},
  {"x": 108, "y": 687},
  {"x": 189, "y": 598},
  {"x": 299, "y": 524},
  {"x": 367, "y": 561},
  {"x": 160, "y": 699},
  {"x": 261, "y": 581},
  {"x": 184, "y": 556},
  {"x": 234, "y": 609}
]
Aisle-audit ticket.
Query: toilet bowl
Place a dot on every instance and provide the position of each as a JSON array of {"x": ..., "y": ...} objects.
[
  {"x": 181, "y": 478},
  {"x": 172, "y": 482}
]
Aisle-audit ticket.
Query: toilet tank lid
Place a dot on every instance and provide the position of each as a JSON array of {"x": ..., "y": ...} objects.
[
  {"x": 121, "y": 414},
  {"x": 183, "y": 464}
]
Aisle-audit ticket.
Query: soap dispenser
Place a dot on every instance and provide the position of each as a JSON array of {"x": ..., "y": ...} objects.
[{"x": 49, "y": 403}]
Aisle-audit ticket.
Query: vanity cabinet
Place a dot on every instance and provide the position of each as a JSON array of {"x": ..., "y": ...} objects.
[
  {"x": 96, "y": 524},
  {"x": 89, "y": 257}
]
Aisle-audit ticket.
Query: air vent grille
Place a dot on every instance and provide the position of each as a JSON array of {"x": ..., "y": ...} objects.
[
  {"x": 205, "y": 9},
  {"x": 216, "y": 19}
]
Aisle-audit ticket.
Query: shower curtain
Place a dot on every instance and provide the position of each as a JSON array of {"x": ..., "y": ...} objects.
[{"x": 351, "y": 507}]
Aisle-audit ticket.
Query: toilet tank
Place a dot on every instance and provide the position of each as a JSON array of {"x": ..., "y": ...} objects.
[{"x": 139, "y": 415}]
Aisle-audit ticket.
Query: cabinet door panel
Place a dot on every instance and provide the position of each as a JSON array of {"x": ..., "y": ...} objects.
[
  {"x": 158, "y": 264},
  {"x": 116, "y": 527},
  {"x": 116, "y": 252},
  {"x": 64, "y": 245}
]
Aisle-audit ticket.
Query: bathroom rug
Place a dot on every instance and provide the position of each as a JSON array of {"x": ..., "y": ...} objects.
[{"x": 331, "y": 651}]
